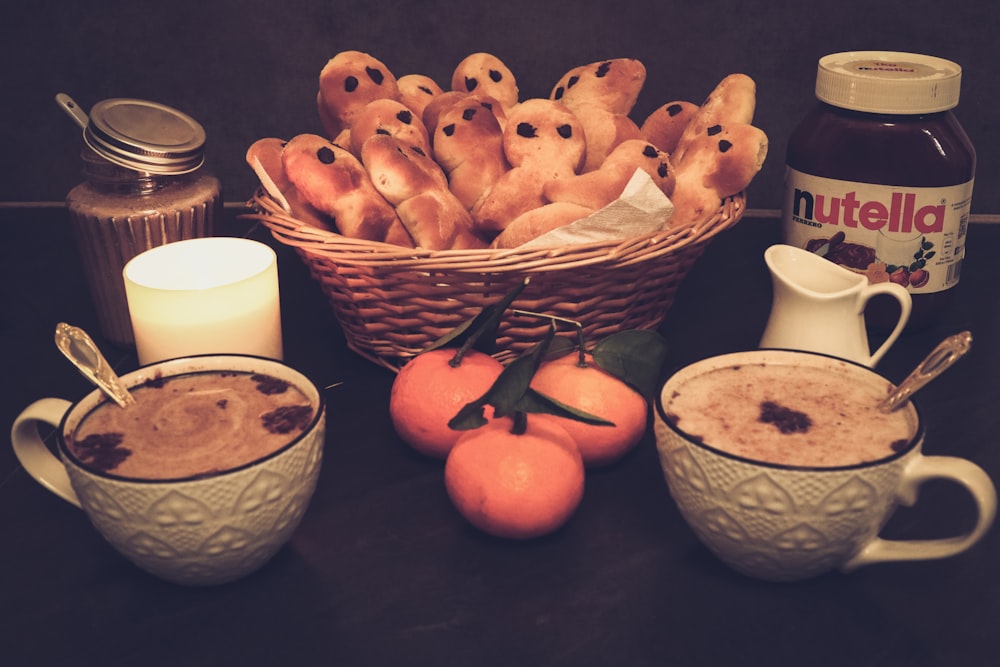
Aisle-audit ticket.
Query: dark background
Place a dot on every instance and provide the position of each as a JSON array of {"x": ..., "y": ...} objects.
[{"x": 249, "y": 69}]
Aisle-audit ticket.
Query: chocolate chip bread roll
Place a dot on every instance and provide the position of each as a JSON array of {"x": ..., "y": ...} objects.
[
  {"x": 336, "y": 183},
  {"x": 412, "y": 182},
  {"x": 596, "y": 189},
  {"x": 485, "y": 74},
  {"x": 601, "y": 95},
  {"x": 468, "y": 144},
  {"x": 543, "y": 141},
  {"x": 718, "y": 164},
  {"x": 264, "y": 157},
  {"x": 349, "y": 81},
  {"x": 664, "y": 126},
  {"x": 416, "y": 91},
  {"x": 390, "y": 117},
  {"x": 732, "y": 101}
]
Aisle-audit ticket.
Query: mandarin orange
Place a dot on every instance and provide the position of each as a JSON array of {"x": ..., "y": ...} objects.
[
  {"x": 589, "y": 388},
  {"x": 428, "y": 391},
  {"x": 516, "y": 486}
]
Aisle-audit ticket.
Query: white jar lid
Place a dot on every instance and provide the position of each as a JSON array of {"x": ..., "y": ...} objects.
[
  {"x": 888, "y": 82},
  {"x": 145, "y": 136}
]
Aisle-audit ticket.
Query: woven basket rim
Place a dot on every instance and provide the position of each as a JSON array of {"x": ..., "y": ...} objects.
[{"x": 361, "y": 252}]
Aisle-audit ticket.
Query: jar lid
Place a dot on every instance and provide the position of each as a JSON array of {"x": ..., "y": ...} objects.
[
  {"x": 888, "y": 82},
  {"x": 145, "y": 136}
]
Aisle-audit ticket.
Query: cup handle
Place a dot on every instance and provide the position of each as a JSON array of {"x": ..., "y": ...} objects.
[
  {"x": 922, "y": 469},
  {"x": 34, "y": 454},
  {"x": 900, "y": 294}
]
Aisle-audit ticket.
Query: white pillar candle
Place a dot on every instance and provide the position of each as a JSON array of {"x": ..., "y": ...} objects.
[{"x": 202, "y": 296}]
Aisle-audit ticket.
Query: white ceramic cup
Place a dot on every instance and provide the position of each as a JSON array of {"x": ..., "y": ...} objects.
[
  {"x": 785, "y": 523},
  {"x": 204, "y": 530},
  {"x": 204, "y": 296}
]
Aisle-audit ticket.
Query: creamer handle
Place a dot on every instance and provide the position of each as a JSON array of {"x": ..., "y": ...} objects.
[{"x": 900, "y": 294}]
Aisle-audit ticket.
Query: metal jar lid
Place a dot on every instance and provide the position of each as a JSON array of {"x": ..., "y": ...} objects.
[{"x": 145, "y": 136}]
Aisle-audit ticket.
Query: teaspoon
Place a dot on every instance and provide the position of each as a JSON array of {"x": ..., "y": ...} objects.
[
  {"x": 80, "y": 349},
  {"x": 941, "y": 358}
]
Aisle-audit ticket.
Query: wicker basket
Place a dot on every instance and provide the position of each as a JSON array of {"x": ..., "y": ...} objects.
[{"x": 392, "y": 302}]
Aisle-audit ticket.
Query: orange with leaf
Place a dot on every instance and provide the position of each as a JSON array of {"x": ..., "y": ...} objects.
[
  {"x": 435, "y": 384},
  {"x": 614, "y": 381},
  {"x": 519, "y": 473}
]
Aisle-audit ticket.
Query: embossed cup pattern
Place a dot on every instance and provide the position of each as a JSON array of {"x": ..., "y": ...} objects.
[
  {"x": 205, "y": 531},
  {"x": 774, "y": 524},
  {"x": 200, "y": 531},
  {"x": 785, "y": 523}
]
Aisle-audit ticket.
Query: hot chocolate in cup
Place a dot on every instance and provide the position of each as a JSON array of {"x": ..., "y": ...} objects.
[
  {"x": 784, "y": 467},
  {"x": 201, "y": 481}
]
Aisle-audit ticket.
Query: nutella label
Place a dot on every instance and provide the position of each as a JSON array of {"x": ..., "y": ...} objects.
[{"x": 911, "y": 236}]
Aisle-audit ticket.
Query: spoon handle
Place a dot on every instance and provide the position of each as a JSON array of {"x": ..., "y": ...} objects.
[
  {"x": 941, "y": 358},
  {"x": 80, "y": 349},
  {"x": 70, "y": 106}
]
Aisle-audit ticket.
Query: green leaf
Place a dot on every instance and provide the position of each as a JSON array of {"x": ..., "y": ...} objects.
[
  {"x": 634, "y": 356},
  {"x": 535, "y": 401},
  {"x": 504, "y": 395},
  {"x": 471, "y": 416},
  {"x": 514, "y": 380},
  {"x": 511, "y": 394},
  {"x": 480, "y": 331},
  {"x": 560, "y": 347}
]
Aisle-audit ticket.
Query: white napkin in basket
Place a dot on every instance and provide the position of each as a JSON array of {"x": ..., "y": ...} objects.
[{"x": 641, "y": 209}]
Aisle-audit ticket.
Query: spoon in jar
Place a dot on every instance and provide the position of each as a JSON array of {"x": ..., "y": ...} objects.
[
  {"x": 941, "y": 358},
  {"x": 80, "y": 349}
]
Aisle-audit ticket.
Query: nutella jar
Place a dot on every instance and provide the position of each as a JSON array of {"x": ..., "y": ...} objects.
[
  {"x": 879, "y": 176},
  {"x": 144, "y": 186}
]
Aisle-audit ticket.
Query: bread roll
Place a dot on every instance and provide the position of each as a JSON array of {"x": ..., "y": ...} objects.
[
  {"x": 390, "y": 117},
  {"x": 731, "y": 102},
  {"x": 349, "y": 81},
  {"x": 603, "y": 131},
  {"x": 531, "y": 224},
  {"x": 333, "y": 181},
  {"x": 543, "y": 141},
  {"x": 601, "y": 95},
  {"x": 485, "y": 74},
  {"x": 596, "y": 189},
  {"x": 416, "y": 91},
  {"x": 613, "y": 85},
  {"x": 719, "y": 163},
  {"x": 264, "y": 157},
  {"x": 416, "y": 186},
  {"x": 468, "y": 144},
  {"x": 664, "y": 126}
]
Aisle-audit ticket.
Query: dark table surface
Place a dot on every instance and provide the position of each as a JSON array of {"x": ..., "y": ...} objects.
[{"x": 383, "y": 570}]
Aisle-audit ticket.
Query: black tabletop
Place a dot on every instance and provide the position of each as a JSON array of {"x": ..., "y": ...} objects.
[{"x": 384, "y": 571}]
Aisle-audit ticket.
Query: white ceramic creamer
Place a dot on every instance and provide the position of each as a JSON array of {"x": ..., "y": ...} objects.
[{"x": 819, "y": 306}]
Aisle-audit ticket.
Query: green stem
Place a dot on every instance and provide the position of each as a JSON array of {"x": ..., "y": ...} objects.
[
  {"x": 520, "y": 423},
  {"x": 581, "y": 347},
  {"x": 456, "y": 360}
]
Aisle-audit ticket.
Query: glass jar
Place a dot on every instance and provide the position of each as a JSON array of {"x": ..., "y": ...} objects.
[
  {"x": 144, "y": 186},
  {"x": 879, "y": 176}
]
